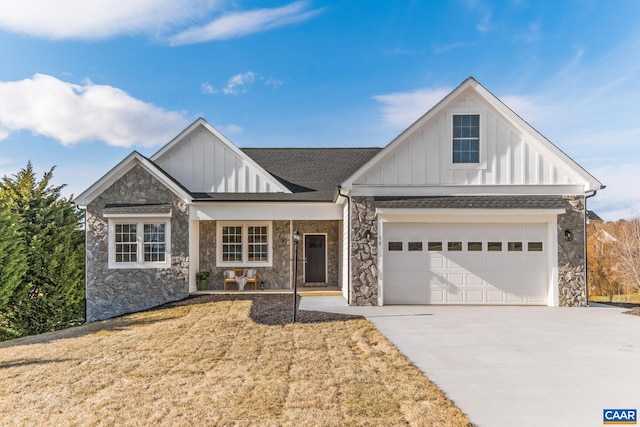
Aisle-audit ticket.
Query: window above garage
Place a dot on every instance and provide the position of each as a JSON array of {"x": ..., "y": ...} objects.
[{"x": 468, "y": 140}]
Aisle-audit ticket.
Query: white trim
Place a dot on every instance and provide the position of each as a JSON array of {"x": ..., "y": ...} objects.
[
  {"x": 465, "y": 215},
  {"x": 128, "y": 163},
  {"x": 245, "y": 244},
  {"x": 265, "y": 211},
  {"x": 139, "y": 221},
  {"x": 141, "y": 215},
  {"x": 304, "y": 256},
  {"x": 466, "y": 190},
  {"x": 552, "y": 259},
  {"x": 202, "y": 122}
]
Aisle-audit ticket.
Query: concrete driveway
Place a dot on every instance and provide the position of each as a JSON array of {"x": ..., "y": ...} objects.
[{"x": 517, "y": 366}]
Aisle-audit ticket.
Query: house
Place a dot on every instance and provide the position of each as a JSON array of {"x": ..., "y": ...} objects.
[{"x": 469, "y": 205}]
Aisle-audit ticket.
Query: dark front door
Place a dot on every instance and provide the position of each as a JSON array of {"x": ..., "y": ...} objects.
[{"x": 314, "y": 251}]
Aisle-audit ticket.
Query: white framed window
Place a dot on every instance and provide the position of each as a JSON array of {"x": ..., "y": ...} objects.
[
  {"x": 241, "y": 244},
  {"x": 139, "y": 242},
  {"x": 467, "y": 139}
]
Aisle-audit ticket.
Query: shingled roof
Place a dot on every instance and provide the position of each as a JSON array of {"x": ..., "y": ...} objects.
[
  {"x": 471, "y": 202},
  {"x": 311, "y": 174}
]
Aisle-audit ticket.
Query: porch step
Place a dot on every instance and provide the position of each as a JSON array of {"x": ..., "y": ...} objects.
[{"x": 320, "y": 293}]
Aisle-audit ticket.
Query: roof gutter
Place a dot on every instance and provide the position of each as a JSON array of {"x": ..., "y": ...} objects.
[
  {"x": 348, "y": 197},
  {"x": 584, "y": 249}
]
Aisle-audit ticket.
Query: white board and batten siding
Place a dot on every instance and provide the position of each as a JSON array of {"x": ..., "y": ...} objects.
[
  {"x": 204, "y": 163},
  {"x": 508, "y": 155}
]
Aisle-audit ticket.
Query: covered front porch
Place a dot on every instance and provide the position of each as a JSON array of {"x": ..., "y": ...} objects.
[{"x": 252, "y": 240}]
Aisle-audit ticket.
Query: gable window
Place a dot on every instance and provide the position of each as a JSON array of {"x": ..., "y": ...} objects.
[
  {"x": 241, "y": 244},
  {"x": 466, "y": 138},
  {"x": 139, "y": 243}
]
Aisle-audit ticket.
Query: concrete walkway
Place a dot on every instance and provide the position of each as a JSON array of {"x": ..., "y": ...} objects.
[{"x": 517, "y": 366}]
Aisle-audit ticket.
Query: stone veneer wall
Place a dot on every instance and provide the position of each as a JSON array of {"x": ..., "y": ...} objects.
[
  {"x": 113, "y": 292},
  {"x": 275, "y": 277},
  {"x": 571, "y": 262},
  {"x": 364, "y": 252},
  {"x": 330, "y": 228}
]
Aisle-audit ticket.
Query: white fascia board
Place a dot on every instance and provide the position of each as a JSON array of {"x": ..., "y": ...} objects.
[
  {"x": 466, "y": 190},
  {"x": 398, "y": 140},
  {"x": 136, "y": 215},
  {"x": 120, "y": 170},
  {"x": 468, "y": 215},
  {"x": 265, "y": 211},
  {"x": 572, "y": 168},
  {"x": 202, "y": 122}
]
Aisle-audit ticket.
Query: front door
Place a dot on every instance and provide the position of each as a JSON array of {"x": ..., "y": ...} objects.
[{"x": 316, "y": 256}]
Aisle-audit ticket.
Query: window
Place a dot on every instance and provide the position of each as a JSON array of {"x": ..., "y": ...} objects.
[
  {"x": 240, "y": 244},
  {"x": 258, "y": 243},
  {"x": 139, "y": 243},
  {"x": 454, "y": 246},
  {"x": 474, "y": 246},
  {"x": 466, "y": 138},
  {"x": 154, "y": 242},
  {"x": 514, "y": 246},
  {"x": 232, "y": 244},
  {"x": 126, "y": 243},
  {"x": 534, "y": 246},
  {"x": 494, "y": 246},
  {"x": 434, "y": 246},
  {"x": 395, "y": 246},
  {"x": 415, "y": 246}
]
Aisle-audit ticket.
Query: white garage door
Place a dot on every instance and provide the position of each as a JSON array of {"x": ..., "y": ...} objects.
[{"x": 465, "y": 264}]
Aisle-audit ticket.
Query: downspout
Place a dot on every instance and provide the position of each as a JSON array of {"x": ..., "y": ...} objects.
[
  {"x": 586, "y": 261},
  {"x": 346, "y": 196}
]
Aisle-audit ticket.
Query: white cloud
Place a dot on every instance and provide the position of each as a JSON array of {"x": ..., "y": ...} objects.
[
  {"x": 238, "y": 84},
  {"x": 401, "y": 109},
  {"x": 274, "y": 83},
  {"x": 98, "y": 19},
  {"x": 230, "y": 129},
  {"x": 239, "y": 24},
  {"x": 72, "y": 113},
  {"x": 208, "y": 89},
  {"x": 178, "y": 21}
]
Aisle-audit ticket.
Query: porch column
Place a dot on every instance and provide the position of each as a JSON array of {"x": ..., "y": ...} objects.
[{"x": 194, "y": 253}]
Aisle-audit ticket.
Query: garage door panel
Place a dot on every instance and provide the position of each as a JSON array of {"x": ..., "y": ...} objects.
[
  {"x": 436, "y": 297},
  {"x": 475, "y": 297},
  {"x": 474, "y": 280},
  {"x": 449, "y": 269},
  {"x": 436, "y": 263},
  {"x": 495, "y": 296}
]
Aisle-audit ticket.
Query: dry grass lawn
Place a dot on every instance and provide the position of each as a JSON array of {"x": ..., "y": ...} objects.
[{"x": 210, "y": 364}]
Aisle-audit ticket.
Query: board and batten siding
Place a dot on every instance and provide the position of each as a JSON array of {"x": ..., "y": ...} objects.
[
  {"x": 203, "y": 163},
  {"x": 511, "y": 157}
]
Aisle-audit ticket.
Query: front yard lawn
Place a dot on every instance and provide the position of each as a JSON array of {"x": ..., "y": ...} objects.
[{"x": 211, "y": 364}]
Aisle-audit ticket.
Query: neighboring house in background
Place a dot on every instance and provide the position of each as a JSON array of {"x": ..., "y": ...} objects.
[
  {"x": 469, "y": 205},
  {"x": 593, "y": 217}
]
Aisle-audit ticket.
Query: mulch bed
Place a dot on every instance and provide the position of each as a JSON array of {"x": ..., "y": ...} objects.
[{"x": 267, "y": 309}]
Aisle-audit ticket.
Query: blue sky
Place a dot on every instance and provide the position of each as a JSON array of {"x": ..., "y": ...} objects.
[{"x": 82, "y": 84}]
